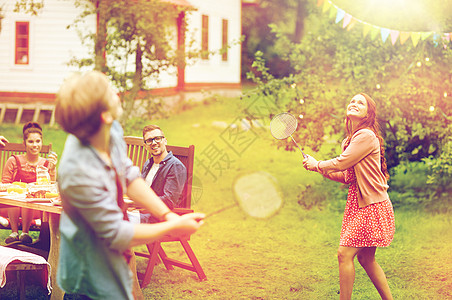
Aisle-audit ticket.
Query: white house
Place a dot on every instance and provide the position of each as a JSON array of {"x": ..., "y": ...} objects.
[{"x": 35, "y": 50}]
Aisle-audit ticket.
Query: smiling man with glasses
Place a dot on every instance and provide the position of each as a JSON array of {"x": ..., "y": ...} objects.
[{"x": 163, "y": 172}]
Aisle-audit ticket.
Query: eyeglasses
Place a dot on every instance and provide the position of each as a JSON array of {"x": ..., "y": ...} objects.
[{"x": 156, "y": 139}]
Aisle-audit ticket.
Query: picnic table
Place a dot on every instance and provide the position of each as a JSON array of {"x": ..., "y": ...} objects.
[{"x": 51, "y": 214}]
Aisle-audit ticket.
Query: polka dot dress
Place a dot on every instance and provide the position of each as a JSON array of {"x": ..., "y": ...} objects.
[{"x": 370, "y": 226}]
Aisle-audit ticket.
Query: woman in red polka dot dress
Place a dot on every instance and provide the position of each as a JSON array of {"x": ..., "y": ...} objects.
[{"x": 368, "y": 220}]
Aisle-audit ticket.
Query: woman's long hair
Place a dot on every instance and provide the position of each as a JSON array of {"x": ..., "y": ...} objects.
[{"x": 370, "y": 121}]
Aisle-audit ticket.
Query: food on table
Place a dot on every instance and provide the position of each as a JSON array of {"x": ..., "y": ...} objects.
[
  {"x": 41, "y": 190},
  {"x": 51, "y": 195},
  {"x": 31, "y": 190},
  {"x": 42, "y": 181},
  {"x": 37, "y": 194},
  {"x": 16, "y": 190},
  {"x": 4, "y": 187},
  {"x": 42, "y": 175},
  {"x": 21, "y": 184}
]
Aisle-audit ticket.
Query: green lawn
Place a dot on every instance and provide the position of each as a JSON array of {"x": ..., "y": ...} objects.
[{"x": 293, "y": 254}]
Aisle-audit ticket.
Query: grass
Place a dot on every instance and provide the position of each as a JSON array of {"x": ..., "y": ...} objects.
[{"x": 291, "y": 255}]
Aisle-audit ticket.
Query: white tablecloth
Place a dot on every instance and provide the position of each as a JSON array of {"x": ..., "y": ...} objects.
[{"x": 8, "y": 255}]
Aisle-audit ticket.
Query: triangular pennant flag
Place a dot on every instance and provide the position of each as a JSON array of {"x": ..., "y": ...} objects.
[
  {"x": 415, "y": 36},
  {"x": 374, "y": 32},
  {"x": 404, "y": 37},
  {"x": 326, "y": 6},
  {"x": 352, "y": 24},
  {"x": 366, "y": 28},
  {"x": 333, "y": 11},
  {"x": 347, "y": 19},
  {"x": 340, "y": 15},
  {"x": 436, "y": 38},
  {"x": 445, "y": 38},
  {"x": 394, "y": 35},
  {"x": 349, "y": 22},
  {"x": 425, "y": 35},
  {"x": 384, "y": 34}
]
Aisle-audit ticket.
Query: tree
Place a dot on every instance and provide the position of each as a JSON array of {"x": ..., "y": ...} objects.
[
  {"x": 134, "y": 43},
  {"x": 411, "y": 86},
  {"x": 256, "y": 21},
  {"x": 32, "y": 7}
]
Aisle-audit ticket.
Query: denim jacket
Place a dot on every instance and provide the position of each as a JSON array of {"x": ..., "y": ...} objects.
[{"x": 169, "y": 181}]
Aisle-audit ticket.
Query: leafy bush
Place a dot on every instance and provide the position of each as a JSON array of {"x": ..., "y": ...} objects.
[
  {"x": 410, "y": 187},
  {"x": 441, "y": 167},
  {"x": 410, "y": 85}
]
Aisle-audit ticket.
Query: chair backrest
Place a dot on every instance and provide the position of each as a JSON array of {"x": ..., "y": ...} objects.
[
  {"x": 18, "y": 149},
  {"x": 137, "y": 152}
]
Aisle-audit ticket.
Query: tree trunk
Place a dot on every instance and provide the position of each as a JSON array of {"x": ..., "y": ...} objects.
[
  {"x": 299, "y": 21},
  {"x": 129, "y": 98},
  {"x": 100, "y": 42}
]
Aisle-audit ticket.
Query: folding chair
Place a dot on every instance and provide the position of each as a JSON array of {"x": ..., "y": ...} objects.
[{"x": 138, "y": 154}]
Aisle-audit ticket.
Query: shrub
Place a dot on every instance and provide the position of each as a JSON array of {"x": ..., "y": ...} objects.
[{"x": 410, "y": 187}]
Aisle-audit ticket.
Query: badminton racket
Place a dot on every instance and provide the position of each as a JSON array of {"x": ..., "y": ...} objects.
[
  {"x": 257, "y": 194},
  {"x": 282, "y": 126}
]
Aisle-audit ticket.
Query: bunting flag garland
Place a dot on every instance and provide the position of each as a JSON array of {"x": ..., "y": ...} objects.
[
  {"x": 384, "y": 34},
  {"x": 347, "y": 19},
  {"x": 340, "y": 15},
  {"x": 351, "y": 24},
  {"x": 415, "y": 36},
  {"x": 367, "y": 27},
  {"x": 394, "y": 35},
  {"x": 348, "y": 22},
  {"x": 404, "y": 36},
  {"x": 326, "y": 6}
]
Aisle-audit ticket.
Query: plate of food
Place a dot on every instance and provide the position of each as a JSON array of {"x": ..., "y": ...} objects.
[
  {"x": 38, "y": 200},
  {"x": 56, "y": 201},
  {"x": 4, "y": 188},
  {"x": 17, "y": 196}
]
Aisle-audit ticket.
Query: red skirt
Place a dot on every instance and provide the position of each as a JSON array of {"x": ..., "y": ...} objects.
[{"x": 370, "y": 226}]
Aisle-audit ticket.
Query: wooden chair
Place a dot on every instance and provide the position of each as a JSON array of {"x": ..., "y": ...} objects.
[
  {"x": 42, "y": 245},
  {"x": 17, "y": 149},
  {"x": 138, "y": 154}
]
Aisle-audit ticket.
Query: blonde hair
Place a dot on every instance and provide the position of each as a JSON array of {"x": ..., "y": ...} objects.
[{"x": 80, "y": 103}]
